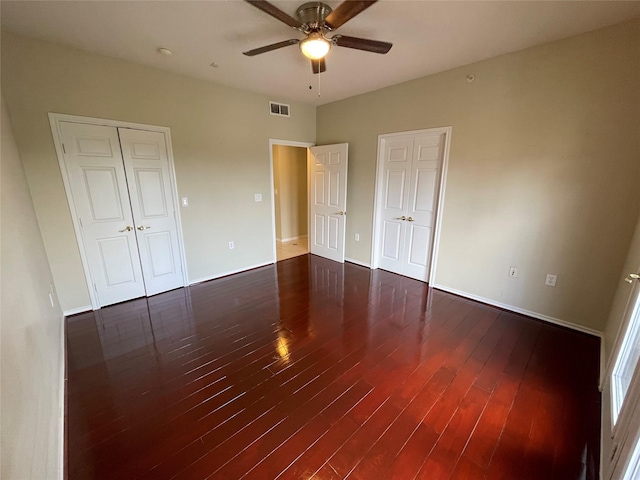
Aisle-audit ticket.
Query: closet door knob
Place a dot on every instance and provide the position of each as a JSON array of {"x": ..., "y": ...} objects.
[
  {"x": 409, "y": 219},
  {"x": 141, "y": 228},
  {"x": 403, "y": 218},
  {"x": 126, "y": 229}
]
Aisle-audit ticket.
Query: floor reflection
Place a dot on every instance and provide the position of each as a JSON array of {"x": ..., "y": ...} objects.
[
  {"x": 124, "y": 328},
  {"x": 239, "y": 377}
]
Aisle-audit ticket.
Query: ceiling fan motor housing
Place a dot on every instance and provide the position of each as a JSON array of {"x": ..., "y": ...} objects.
[{"x": 313, "y": 14}]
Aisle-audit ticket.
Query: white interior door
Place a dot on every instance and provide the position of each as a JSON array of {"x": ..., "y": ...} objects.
[
  {"x": 624, "y": 384},
  {"x": 147, "y": 168},
  {"x": 328, "y": 200},
  {"x": 428, "y": 151},
  {"x": 409, "y": 176},
  {"x": 397, "y": 155},
  {"x": 99, "y": 187}
]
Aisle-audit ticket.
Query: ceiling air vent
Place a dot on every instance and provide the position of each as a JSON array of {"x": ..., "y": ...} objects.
[{"x": 279, "y": 109}]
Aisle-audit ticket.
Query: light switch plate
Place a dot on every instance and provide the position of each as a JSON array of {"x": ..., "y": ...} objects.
[
  {"x": 185, "y": 202},
  {"x": 258, "y": 197}
]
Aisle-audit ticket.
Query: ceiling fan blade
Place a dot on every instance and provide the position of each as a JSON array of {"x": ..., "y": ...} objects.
[
  {"x": 318, "y": 66},
  {"x": 375, "y": 46},
  {"x": 346, "y": 11},
  {"x": 275, "y": 12},
  {"x": 273, "y": 46}
]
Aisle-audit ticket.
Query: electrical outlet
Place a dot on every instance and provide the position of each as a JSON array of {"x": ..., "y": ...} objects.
[
  {"x": 551, "y": 280},
  {"x": 513, "y": 272},
  {"x": 258, "y": 197},
  {"x": 231, "y": 246},
  {"x": 357, "y": 237},
  {"x": 185, "y": 202}
]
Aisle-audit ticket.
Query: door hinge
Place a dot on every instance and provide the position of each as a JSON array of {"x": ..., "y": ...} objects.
[
  {"x": 80, "y": 221},
  {"x": 613, "y": 451},
  {"x": 95, "y": 288},
  {"x": 64, "y": 149}
]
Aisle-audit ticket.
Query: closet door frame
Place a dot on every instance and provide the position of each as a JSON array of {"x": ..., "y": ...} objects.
[
  {"x": 377, "y": 218},
  {"x": 54, "y": 121}
]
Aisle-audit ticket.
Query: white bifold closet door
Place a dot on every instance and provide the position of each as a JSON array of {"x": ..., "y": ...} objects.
[
  {"x": 408, "y": 194},
  {"x": 120, "y": 182}
]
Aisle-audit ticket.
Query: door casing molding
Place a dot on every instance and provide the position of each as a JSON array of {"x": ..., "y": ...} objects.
[
  {"x": 441, "y": 193},
  {"x": 54, "y": 121}
]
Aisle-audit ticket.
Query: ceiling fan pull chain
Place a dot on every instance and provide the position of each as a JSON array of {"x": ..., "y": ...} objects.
[{"x": 319, "y": 73}]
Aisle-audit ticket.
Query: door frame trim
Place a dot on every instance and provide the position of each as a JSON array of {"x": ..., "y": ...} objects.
[
  {"x": 375, "y": 259},
  {"x": 56, "y": 131},
  {"x": 284, "y": 143}
]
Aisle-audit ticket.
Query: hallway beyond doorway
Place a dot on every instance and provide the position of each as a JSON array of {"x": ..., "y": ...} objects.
[{"x": 291, "y": 248}]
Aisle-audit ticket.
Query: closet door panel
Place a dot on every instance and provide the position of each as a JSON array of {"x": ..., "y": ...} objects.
[
  {"x": 152, "y": 201},
  {"x": 99, "y": 188},
  {"x": 396, "y": 170},
  {"x": 425, "y": 173}
]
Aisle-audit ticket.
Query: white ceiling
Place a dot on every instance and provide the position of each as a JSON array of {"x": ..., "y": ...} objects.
[{"x": 427, "y": 36}]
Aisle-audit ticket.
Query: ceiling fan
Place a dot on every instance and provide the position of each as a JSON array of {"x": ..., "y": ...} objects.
[{"x": 315, "y": 20}]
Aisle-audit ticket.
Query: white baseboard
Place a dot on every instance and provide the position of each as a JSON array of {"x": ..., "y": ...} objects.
[
  {"x": 75, "y": 311},
  {"x": 288, "y": 239},
  {"x": 357, "y": 262},
  {"x": 529, "y": 313},
  {"x": 230, "y": 272},
  {"x": 61, "y": 396}
]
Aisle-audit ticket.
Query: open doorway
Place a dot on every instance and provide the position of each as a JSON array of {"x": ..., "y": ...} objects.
[{"x": 290, "y": 200}]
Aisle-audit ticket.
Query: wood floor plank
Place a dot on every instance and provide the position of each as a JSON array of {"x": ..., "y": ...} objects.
[
  {"x": 317, "y": 455},
  {"x": 413, "y": 454},
  {"x": 352, "y": 452},
  {"x": 444, "y": 457},
  {"x": 315, "y": 369}
]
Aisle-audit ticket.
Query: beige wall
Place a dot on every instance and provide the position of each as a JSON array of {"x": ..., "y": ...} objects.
[
  {"x": 220, "y": 143},
  {"x": 30, "y": 332},
  {"x": 290, "y": 181},
  {"x": 543, "y": 171},
  {"x": 543, "y": 167}
]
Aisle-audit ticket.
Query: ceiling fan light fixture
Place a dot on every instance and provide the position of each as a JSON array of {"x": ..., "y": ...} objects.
[{"x": 315, "y": 46}]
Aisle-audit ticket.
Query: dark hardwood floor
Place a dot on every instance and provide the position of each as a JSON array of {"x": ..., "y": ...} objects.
[{"x": 313, "y": 369}]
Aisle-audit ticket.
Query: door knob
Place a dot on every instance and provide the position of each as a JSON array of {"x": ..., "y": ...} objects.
[
  {"x": 409, "y": 219},
  {"x": 631, "y": 277},
  {"x": 126, "y": 229},
  {"x": 141, "y": 228},
  {"x": 403, "y": 218},
  {"x": 341, "y": 213}
]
